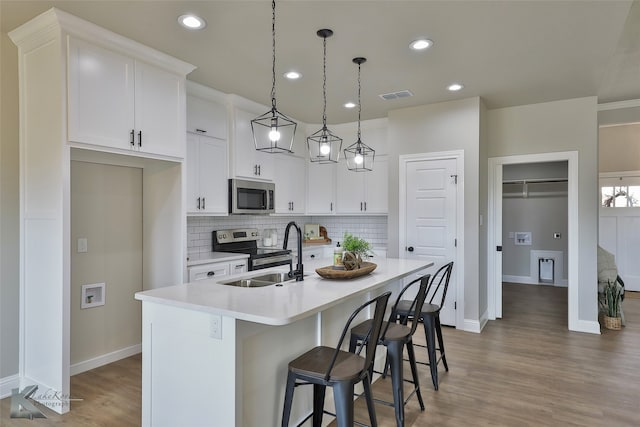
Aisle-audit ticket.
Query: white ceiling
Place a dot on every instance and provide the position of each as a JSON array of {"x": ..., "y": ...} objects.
[{"x": 507, "y": 52}]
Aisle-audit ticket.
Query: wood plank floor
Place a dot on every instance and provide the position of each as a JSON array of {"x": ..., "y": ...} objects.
[{"x": 523, "y": 370}]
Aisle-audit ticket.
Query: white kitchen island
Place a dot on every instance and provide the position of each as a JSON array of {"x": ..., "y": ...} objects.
[{"x": 217, "y": 355}]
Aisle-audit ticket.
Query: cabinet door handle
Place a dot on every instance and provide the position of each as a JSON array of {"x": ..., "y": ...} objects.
[
  {"x": 198, "y": 202},
  {"x": 201, "y": 130},
  {"x": 360, "y": 205},
  {"x": 365, "y": 206},
  {"x": 312, "y": 256},
  {"x": 140, "y": 139},
  {"x": 331, "y": 208},
  {"x": 133, "y": 142},
  {"x": 211, "y": 273},
  {"x": 203, "y": 204},
  {"x": 259, "y": 170},
  {"x": 255, "y": 169}
]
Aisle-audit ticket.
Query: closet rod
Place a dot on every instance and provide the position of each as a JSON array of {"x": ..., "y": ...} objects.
[{"x": 534, "y": 180}]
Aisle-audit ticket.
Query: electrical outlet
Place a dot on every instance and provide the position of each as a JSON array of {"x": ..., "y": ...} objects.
[
  {"x": 82, "y": 245},
  {"x": 215, "y": 327}
]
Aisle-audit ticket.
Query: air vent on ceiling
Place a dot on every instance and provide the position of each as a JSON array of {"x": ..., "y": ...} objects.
[{"x": 396, "y": 95}]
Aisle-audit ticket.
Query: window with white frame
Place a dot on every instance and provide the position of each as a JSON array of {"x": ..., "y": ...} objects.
[{"x": 619, "y": 191}]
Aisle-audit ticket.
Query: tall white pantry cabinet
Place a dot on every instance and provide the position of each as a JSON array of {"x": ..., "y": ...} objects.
[{"x": 91, "y": 95}]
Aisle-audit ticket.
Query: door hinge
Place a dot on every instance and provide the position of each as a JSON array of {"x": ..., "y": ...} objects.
[{"x": 455, "y": 178}]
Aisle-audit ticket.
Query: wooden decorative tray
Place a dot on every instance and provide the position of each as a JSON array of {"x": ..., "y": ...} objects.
[{"x": 330, "y": 273}]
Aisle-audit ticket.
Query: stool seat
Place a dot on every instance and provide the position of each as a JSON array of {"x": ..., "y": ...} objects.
[
  {"x": 404, "y": 308},
  {"x": 395, "y": 331},
  {"x": 315, "y": 363}
]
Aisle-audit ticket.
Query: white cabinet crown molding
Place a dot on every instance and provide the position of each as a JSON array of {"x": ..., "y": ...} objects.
[{"x": 43, "y": 26}]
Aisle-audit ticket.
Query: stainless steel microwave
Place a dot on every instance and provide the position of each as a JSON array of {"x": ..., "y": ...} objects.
[{"x": 251, "y": 197}]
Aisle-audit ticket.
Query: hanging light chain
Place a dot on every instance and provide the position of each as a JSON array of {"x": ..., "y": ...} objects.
[
  {"x": 359, "y": 102},
  {"x": 324, "y": 82},
  {"x": 273, "y": 63}
]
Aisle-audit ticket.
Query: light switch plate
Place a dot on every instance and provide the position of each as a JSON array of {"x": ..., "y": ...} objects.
[{"x": 82, "y": 245}]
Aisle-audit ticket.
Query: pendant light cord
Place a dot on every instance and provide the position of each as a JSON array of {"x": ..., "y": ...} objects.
[
  {"x": 359, "y": 104},
  {"x": 273, "y": 63},
  {"x": 324, "y": 83}
]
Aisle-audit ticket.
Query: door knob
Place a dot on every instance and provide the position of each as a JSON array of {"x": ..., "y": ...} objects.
[{"x": 410, "y": 248}]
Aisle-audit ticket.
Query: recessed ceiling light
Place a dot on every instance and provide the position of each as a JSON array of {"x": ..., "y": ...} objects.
[
  {"x": 192, "y": 22},
  {"x": 349, "y": 105},
  {"x": 292, "y": 75},
  {"x": 454, "y": 87},
  {"x": 421, "y": 44}
]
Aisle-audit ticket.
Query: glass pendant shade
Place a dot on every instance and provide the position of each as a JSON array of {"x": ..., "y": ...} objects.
[
  {"x": 324, "y": 146},
  {"x": 273, "y": 132},
  {"x": 359, "y": 156}
]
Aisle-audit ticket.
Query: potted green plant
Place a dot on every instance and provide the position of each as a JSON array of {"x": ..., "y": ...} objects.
[
  {"x": 612, "y": 296},
  {"x": 355, "y": 248}
]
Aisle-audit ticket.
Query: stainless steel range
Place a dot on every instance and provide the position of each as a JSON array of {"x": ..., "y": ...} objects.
[{"x": 245, "y": 241}]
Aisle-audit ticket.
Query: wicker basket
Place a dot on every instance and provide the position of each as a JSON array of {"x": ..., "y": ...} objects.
[{"x": 614, "y": 323}]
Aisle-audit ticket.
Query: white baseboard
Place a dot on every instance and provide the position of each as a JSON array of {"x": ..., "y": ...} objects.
[
  {"x": 472, "y": 326},
  {"x": 105, "y": 359},
  {"x": 527, "y": 280},
  {"x": 484, "y": 319},
  {"x": 7, "y": 383},
  {"x": 588, "y": 326}
]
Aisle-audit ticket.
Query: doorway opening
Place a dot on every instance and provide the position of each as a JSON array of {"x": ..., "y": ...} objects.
[{"x": 495, "y": 229}]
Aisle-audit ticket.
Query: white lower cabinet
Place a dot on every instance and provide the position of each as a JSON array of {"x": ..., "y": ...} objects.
[
  {"x": 217, "y": 270},
  {"x": 207, "y": 188}
]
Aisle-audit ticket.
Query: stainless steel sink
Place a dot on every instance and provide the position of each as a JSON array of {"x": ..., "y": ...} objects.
[
  {"x": 273, "y": 277},
  {"x": 259, "y": 280},
  {"x": 248, "y": 283}
]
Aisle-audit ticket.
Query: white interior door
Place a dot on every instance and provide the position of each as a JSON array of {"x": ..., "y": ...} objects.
[{"x": 431, "y": 203}]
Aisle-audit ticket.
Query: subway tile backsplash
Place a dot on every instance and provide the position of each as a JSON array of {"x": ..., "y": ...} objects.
[{"x": 371, "y": 228}]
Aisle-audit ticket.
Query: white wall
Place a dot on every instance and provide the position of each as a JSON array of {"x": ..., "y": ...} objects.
[
  {"x": 445, "y": 126},
  {"x": 106, "y": 209},
  {"x": 568, "y": 125},
  {"x": 619, "y": 148},
  {"x": 9, "y": 209}
]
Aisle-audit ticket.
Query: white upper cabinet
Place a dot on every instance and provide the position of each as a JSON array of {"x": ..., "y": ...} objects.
[
  {"x": 363, "y": 192},
  {"x": 321, "y": 183},
  {"x": 290, "y": 184},
  {"x": 121, "y": 102},
  {"x": 248, "y": 162},
  {"x": 206, "y": 117},
  {"x": 207, "y": 184}
]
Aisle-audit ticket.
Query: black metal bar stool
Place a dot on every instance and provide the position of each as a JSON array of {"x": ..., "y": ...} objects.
[
  {"x": 430, "y": 318},
  {"x": 395, "y": 337},
  {"x": 331, "y": 367}
]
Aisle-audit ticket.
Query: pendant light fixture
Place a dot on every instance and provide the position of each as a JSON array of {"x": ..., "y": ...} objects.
[
  {"x": 359, "y": 156},
  {"x": 273, "y": 132},
  {"x": 324, "y": 146}
]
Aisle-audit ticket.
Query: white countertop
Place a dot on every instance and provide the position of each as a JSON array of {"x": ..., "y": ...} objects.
[
  {"x": 210, "y": 257},
  {"x": 279, "y": 305}
]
